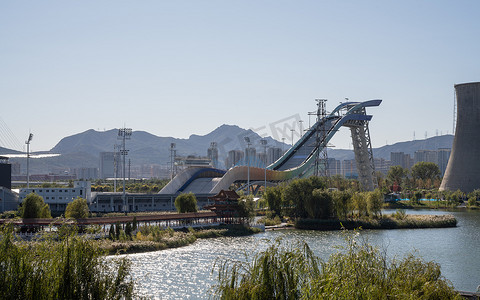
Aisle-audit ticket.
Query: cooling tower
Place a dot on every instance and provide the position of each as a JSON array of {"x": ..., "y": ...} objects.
[{"x": 463, "y": 169}]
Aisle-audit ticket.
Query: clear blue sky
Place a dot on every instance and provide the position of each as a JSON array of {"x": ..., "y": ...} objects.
[{"x": 175, "y": 68}]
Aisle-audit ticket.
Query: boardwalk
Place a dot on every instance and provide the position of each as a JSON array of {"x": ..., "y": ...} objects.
[{"x": 166, "y": 220}]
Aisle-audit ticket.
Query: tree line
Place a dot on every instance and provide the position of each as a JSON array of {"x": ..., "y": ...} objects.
[{"x": 311, "y": 198}]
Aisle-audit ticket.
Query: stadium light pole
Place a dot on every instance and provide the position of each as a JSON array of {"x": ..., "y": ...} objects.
[
  {"x": 30, "y": 137},
  {"x": 264, "y": 143},
  {"x": 124, "y": 134},
  {"x": 301, "y": 127},
  {"x": 247, "y": 140}
]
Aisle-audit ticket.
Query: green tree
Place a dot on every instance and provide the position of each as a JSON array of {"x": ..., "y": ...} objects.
[
  {"x": 111, "y": 232},
  {"x": 396, "y": 174},
  {"x": 416, "y": 197},
  {"x": 33, "y": 206},
  {"x": 299, "y": 192},
  {"x": 186, "y": 202},
  {"x": 425, "y": 171},
  {"x": 135, "y": 223},
  {"x": 342, "y": 203},
  {"x": 77, "y": 209},
  {"x": 360, "y": 203},
  {"x": 117, "y": 230},
  {"x": 319, "y": 205},
  {"x": 246, "y": 207},
  {"x": 273, "y": 196},
  {"x": 472, "y": 201},
  {"x": 375, "y": 202},
  {"x": 128, "y": 229}
]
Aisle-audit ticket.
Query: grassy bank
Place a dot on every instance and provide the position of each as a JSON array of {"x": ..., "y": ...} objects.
[
  {"x": 395, "y": 221},
  {"x": 152, "y": 238}
]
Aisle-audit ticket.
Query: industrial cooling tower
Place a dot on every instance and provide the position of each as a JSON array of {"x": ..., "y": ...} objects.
[{"x": 463, "y": 169}]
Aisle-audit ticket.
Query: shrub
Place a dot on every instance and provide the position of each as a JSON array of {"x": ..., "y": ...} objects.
[
  {"x": 77, "y": 209},
  {"x": 360, "y": 271},
  {"x": 33, "y": 206},
  {"x": 400, "y": 214},
  {"x": 186, "y": 203}
]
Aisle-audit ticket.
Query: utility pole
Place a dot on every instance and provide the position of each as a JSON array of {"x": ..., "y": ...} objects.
[
  {"x": 172, "y": 159},
  {"x": 115, "y": 167},
  {"x": 124, "y": 134},
  {"x": 247, "y": 140},
  {"x": 30, "y": 137},
  {"x": 264, "y": 143}
]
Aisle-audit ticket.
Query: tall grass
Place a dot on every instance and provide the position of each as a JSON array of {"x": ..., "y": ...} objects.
[
  {"x": 276, "y": 273},
  {"x": 358, "y": 271},
  {"x": 70, "y": 268}
]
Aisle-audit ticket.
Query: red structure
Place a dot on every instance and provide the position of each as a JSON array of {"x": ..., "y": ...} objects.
[{"x": 225, "y": 204}]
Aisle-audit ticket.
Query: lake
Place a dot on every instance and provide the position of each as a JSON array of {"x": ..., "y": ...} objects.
[{"x": 186, "y": 272}]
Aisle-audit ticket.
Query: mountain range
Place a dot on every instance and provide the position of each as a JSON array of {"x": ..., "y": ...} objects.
[{"x": 82, "y": 150}]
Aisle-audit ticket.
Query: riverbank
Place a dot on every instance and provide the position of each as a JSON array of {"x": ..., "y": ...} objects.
[
  {"x": 434, "y": 204},
  {"x": 395, "y": 221},
  {"x": 157, "y": 239}
]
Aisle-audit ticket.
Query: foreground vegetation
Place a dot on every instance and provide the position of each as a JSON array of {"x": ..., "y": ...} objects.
[
  {"x": 394, "y": 221},
  {"x": 64, "y": 266},
  {"x": 153, "y": 238},
  {"x": 358, "y": 271}
]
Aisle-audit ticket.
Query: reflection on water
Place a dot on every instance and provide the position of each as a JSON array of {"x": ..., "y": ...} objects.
[{"x": 186, "y": 272}]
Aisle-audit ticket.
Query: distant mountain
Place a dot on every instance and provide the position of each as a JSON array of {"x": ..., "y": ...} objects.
[
  {"x": 82, "y": 150},
  {"x": 4, "y": 151},
  {"x": 409, "y": 147}
]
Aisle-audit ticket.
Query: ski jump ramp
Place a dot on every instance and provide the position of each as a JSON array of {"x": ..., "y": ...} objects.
[{"x": 301, "y": 160}]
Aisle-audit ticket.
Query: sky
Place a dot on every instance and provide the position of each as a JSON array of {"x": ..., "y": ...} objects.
[{"x": 176, "y": 68}]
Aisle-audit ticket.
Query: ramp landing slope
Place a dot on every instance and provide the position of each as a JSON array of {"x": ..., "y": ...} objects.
[{"x": 301, "y": 160}]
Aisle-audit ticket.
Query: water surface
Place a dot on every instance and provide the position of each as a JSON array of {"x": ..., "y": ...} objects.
[{"x": 186, "y": 273}]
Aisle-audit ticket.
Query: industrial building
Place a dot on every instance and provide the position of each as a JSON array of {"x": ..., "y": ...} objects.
[
  {"x": 8, "y": 199},
  {"x": 58, "y": 198},
  {"x": 463, "y": 169}
]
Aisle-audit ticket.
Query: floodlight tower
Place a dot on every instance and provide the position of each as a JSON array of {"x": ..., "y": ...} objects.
[
  {"x": 173, "y": 153},
  {"x": 264, "y": 143},
  {"x": 320, "y": 138},
  {"x": 30, "y": 137},
  {"x": 124, "y": 134},
  {"x": 247, "y": 140}
]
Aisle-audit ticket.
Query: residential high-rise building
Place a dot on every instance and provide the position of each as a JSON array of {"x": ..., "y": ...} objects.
[
  {"x": 425, "y": 155},
  {"x": 250, "y": 155},
  {"x": 443, "y": 155},
  {"x": 234, "y": 156},
  {"x": 261, "y": 160},
  {"x": 334, "y": 167},
  {"x": 273, "y": 154},
  {"x": 212, "y": 154},
  {"x": 107, "y": 165},
  {"x": 86, "y": 173},
  {"x": 401, "y": 159}
]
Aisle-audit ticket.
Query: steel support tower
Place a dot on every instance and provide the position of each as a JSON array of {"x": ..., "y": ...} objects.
[{"x": 362, "y": 147}]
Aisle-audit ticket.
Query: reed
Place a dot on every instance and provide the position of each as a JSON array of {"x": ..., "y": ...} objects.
[
  {"x": 357, "y": 271},
  {"x": 69, "y": 268}
]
